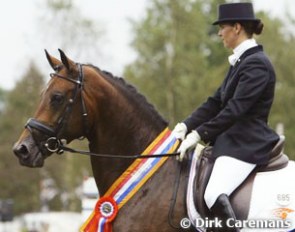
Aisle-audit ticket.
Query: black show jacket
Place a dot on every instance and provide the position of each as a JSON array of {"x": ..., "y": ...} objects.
[{"x": 234, "y": 120}]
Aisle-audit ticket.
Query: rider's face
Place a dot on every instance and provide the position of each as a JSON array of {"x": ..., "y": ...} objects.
[{"x": 228, "y": 35}]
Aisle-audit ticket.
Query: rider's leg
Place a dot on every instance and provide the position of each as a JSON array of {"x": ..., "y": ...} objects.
[{"x": 227, "y": 174}]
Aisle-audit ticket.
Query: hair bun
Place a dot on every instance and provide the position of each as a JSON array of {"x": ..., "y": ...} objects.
[{"x": 259, "y": 27}]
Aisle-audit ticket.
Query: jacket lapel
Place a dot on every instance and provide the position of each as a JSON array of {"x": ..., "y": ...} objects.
[{"x": 233, "y": 70}]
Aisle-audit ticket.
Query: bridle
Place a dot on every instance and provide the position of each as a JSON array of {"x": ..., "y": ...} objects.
[{"x": 54, "y": 142}]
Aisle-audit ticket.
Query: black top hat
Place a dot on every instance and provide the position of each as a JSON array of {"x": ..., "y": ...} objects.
[{"x": 236, "y": 12}]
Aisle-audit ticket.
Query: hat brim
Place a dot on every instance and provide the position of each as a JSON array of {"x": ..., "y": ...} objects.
[{"x": 235, "y": 20}]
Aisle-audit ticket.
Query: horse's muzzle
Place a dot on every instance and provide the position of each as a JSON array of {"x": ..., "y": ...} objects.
[{"x": 28, "y": 153}]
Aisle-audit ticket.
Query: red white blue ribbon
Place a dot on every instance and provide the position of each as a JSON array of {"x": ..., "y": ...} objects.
[{"x": 129, "y": 183}]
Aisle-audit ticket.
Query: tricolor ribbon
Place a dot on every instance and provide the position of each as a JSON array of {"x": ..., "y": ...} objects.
[
  {"x": 107, "y": 210},
  {"x": 129, "y": 183}
]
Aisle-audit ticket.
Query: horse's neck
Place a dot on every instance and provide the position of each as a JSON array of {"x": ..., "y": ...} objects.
[{"x": 118, "y": 130}]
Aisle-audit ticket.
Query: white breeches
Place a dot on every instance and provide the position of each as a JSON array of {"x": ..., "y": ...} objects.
[{"x": 227, "y": 174}]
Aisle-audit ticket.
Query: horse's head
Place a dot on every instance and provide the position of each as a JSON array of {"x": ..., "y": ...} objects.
[
  {"x": 103, "y": 108},
  {"x": 60, "y": 115}
]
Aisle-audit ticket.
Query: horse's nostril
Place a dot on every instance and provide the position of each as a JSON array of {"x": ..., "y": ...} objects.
[{"x": 21, "y": 151}]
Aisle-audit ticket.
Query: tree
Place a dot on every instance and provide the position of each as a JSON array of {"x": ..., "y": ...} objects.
[
  {"x": 19, "y": 104},
  {"x": 175, "y": 50},
  {"x": 2, "y": 99},
  {"x": 279, "y": 43},
  {"x": 62, "y": 25}
]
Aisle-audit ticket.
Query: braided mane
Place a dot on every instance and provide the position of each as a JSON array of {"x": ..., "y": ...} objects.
[{"x": 133, "y": 96}]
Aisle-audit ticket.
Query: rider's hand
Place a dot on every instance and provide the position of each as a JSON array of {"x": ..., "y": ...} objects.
[
  {"x": 179, "y": 131},
  {"x": 190, "y": 142}
]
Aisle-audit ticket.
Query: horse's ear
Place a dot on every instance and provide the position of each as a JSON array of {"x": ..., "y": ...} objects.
[
  {"x": 54, "y": 63},
  {"x": 69, "y": 64}
]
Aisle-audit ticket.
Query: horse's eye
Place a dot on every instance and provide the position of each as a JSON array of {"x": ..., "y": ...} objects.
[{"x": 57, "y": 99}]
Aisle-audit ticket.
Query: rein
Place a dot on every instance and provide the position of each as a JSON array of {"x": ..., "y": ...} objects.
[
  {"x": 60, "y": 148},
  {"x": 68, "y": 149}
]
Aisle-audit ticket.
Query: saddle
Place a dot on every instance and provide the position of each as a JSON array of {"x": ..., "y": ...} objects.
[{"x": 240, "y": 198}]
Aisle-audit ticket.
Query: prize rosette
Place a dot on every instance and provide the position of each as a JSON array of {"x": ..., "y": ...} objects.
[{"x": 107, "y": 208}]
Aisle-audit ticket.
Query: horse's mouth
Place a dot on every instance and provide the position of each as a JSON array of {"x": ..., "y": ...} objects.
[
  {"x": 34, "y": 161},
  {"x": 29, "y": 154}
]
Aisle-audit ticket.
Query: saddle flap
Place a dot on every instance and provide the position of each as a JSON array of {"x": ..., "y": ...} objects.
[
  {"x": 204, "y": 169},
  {"x": 241, "y": 194}
]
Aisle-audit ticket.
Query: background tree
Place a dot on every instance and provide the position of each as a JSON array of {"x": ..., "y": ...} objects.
[
  {"x": 279, "y": 44},
  {"x": 62, "y": 25},
  {"x": 18, "y": 106},
  {"x": 173, "y": 54},
  {"x": 2, "y": 99}
]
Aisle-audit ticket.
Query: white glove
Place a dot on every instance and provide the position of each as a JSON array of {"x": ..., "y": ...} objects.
[
  {"x": 179, "y": 131},
  {"x": 190, "y": 142}
]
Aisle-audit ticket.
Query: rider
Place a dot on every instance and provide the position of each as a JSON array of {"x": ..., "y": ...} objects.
[{"x": 234, "y": 119}]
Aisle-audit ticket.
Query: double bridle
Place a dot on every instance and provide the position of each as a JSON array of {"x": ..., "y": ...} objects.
[{"x": 54, "y": 142}]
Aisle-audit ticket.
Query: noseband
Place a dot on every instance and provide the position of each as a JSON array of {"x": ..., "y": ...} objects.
[{"x": 53, "y": 142}]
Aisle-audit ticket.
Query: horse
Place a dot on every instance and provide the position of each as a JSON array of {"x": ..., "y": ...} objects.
[
  {"x": 81, "y": 100},
  {"x": 119, "y": 121}
]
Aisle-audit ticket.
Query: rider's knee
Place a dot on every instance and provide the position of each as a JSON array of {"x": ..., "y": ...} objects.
[{"x": 210, "y": 198}]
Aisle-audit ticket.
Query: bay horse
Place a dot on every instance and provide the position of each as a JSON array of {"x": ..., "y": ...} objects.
[
  {"x": 83, "y": 101},
  {"x": 119, "y": 121}
]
